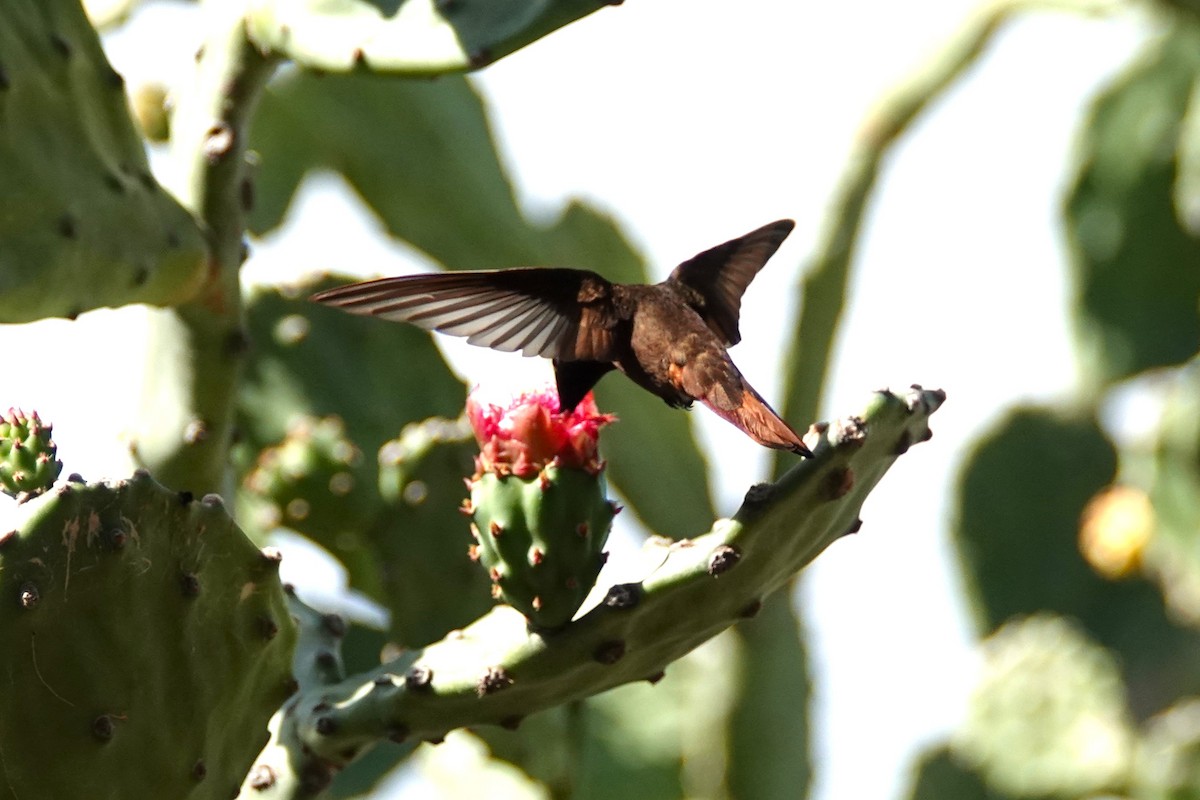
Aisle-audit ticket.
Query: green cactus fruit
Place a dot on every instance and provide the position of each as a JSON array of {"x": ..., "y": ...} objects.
[
  {"x": 541, "y": 539},
  {"x": 540, "y": 513},
  {"x": 28, "y": 465},
  {"x": 312, "y": 482},
  {"x": 147, "y": 643}
]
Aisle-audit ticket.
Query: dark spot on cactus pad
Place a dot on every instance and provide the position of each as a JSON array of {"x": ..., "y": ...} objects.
[
  {"x": 322, "y": 705},
  {"x": 199, "y": 770},
  {"x": 326, "y": 659},
  {"x": 609, "y": 652},
  {"x": 68, "y": 226},
  {"x": 398, "y": 732},
  {"x": 623, "y": 596},
  {"x": 141, "y": 275},
  {"x": 334, "y": 625},
  {"x": 448, "y": 6},
  {"x": 290, "y": 687},
  {"x": 315, "y": 776},
  {"x": 262, "y": 777},
  {"x": 28, "y": 596},
  {"x": 5, "y": 83},
  {"x": 174, "y": 240},
  {"x": 189, "y": 585},
  {"x": 855, "y": 527},
  {"x": 581, "y": 530},
  {"x": 326, "y": 726},
  {"x": 246, "y": 194},
  {"x": 103, "y": 727},
  {"x": 74, "y": 313},
  {"x": 185, "y": 498},
  {"x": 359, "y": 57},
  {"x": 758, "y": 494},
  {"x": 435, "y": 739},
  {"x": 722, "y": 560},
  {"x": 512, "y": 722},
  {"x": 837, "y": 483},
  {"x": 6, "y": 538},
  {"x": 114, "y": 79},
  {"x": 113, "y": 183},
  {"x": 419, "y": 678},
  {"x": 493, "y": 680},
  {"x": 480, "y": 58},
  {"x": 656, "y": 677},
  {"x": 218, "y": 141},
  {"x": 927, "y": 435},
  {"x": 384, "y": 682},
  {"x": 147, "y": 181},
  {"x": 751, "y": 610},
  {"x": 268, "y": 628},
  {"x": 237, "y": 343},
  {"x": 60, "y": 45},
  {"x": 75, "y": 477},
  {"x": 903, "y": 443}
]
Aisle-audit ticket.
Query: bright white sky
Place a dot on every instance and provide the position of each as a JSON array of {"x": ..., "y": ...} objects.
[{"x": 693, "y": 121}]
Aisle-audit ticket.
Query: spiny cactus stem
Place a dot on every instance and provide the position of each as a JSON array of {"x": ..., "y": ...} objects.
[
  {"x": 496, "y": 670},
  {"x": 196, "y": 349}
]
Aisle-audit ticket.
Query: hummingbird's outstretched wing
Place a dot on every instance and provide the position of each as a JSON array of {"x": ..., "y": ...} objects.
[
  {"x": 719, "y": 276},
  {"x": 556, "y": 313}
]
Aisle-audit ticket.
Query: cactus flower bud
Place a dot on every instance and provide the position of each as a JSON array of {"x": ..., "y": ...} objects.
[{"x": 28, "y": 463}]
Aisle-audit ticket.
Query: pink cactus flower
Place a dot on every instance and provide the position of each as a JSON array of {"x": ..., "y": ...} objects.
[{"x": 527, "y": 432}]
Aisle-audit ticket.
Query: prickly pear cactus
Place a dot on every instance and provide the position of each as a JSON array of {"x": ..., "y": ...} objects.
[
  {"x": 83, "y": 221},
  {"x": 147, "y": 643},
  {"x": 28, "y": 465},
  {"x": 425, "y": 37},
  {"x": 540, "y": 514}
]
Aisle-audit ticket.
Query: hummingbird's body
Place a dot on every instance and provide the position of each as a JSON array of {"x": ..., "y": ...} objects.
[{"x": 670, "y": 338}]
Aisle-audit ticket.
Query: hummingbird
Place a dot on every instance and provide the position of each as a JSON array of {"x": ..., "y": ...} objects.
[{"x": 670, "y": 338}]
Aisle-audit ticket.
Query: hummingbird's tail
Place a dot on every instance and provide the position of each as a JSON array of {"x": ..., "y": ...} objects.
[{"x": 761, "y": 423}]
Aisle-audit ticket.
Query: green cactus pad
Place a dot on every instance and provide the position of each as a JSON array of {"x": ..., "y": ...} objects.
[
  {"x": 420, "y": 541},
  {"x": 678, "y": 595},
  {"x": 1049, "y": 717},
  {"x": 1126, "y": 228},
  {"x": 541, "y": 539},
  {"x": 83, "y": 223},
  {"x": 146, "y": 641},
  {"x": 419, "y": 37},
  {"x": 1167, "y": 766},
  {"x": 28, "y": 465}
]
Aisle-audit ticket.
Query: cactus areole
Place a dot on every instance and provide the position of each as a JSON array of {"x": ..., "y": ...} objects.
[{"x": 539, "y": 509}]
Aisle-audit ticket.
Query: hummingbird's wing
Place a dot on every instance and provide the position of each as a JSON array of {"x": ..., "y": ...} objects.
[
  {"x": 550, "y": 312},
  {"x": 718, "y": 277}
]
